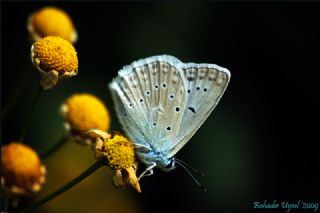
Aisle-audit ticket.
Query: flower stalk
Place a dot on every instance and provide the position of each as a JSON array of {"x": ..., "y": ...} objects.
[
  {"x": 5, "y": 204},
  {"x": 57, "y": 144},
  {"x": 26, "y": 124},
  {"x": 16, "y": 93},
  {"x": 98, "y": 164}
]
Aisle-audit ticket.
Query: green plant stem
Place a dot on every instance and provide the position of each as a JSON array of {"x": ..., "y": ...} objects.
[
  {"x": 27, "y": 122},
  {"x": 86, "y": 173},
  {"x": 17, "y": 92},
  {"x": 59, "y": 143},
  {"x": 5, "y": 204}
]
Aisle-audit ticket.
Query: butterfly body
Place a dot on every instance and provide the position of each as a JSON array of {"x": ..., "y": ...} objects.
[
  {"x": 161, "y": 102},
  {"x": 152, "y": 156}
]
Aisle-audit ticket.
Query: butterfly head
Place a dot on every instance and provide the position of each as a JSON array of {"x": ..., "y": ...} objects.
[{"x": 170, "y": 166}]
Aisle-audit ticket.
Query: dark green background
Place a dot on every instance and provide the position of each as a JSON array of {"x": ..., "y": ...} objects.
[{"x": 260, "y": 143}]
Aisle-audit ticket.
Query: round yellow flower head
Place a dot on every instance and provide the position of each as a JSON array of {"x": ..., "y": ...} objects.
[
  {"x": 83, "y": 112},
  {"x": 118, "y": 151},
  {"x": 119, "y": 154},
  {"x": 22, "y": 171},
  {"x": 55, "y": 58},
  {"x": 51, "y": 21}
]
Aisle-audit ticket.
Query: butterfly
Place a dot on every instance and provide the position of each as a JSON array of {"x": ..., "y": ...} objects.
[{"x": 161, "y": 102}]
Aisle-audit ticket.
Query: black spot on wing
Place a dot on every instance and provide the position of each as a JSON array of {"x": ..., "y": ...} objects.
[
  {"x": 164, "y": 85},
  {"x": 192, "y": 109}
]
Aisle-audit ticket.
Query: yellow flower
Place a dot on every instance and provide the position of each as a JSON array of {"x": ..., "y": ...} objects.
[
  {"x": 118, "y": 151},
  {"x": 51, "y": 21},
  {"x": 119, "y": 154},
  {"x": 83, "y": 112},
  {"x": 22, "y": 171},
  {"x": 55, "y": 58}
]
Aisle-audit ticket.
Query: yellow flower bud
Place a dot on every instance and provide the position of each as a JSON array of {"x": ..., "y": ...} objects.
[
  {"x": 83, "y": 112},
  {"x": 22, "y": 171},
  {"x": 119, "y": 154},
  {"x": 51, "y": 21},
  {"x": 118, "y": 151},
  {"x": 55, "y": 58}
]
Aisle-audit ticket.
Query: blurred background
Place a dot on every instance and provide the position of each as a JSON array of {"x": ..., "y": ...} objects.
[{"x": 260, "y": 143}]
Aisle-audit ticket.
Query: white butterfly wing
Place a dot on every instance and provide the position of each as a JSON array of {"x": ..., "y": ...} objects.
[
  {"x": 128, "y": 121},
  {"x": 150, "y": 99},
  {"x": 206, "y": 84}
]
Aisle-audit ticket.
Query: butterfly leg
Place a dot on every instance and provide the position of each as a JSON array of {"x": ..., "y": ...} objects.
[{"x": 148, "y": 171}]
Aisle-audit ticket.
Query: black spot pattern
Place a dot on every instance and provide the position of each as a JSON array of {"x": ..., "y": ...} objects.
[{"x": 192, "y": 109}]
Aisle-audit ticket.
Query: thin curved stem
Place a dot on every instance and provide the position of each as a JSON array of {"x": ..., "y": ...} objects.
[
  {"x": 86, "y": 173},
  {"x": 59, "y": 143},
  {"x": 17, "y": 92},
  {"x": 5, "y": 204},
  {"x": 35, "y": 99}
]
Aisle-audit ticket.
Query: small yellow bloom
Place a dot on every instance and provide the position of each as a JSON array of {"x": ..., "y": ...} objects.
[
  {"x": 119, "y": 154},
  {"x": 118, "y": 151},
  {"x": 22, "y": 171},
  {"x": 51, "y": 21},
  {"x": 55, "y": 58},
  {"x": 83, "y": 112}
]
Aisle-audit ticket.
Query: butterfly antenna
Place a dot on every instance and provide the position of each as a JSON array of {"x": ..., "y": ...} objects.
[
  {"x": 189, "y": 167},
  {"x": 190, "y": 174}
]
